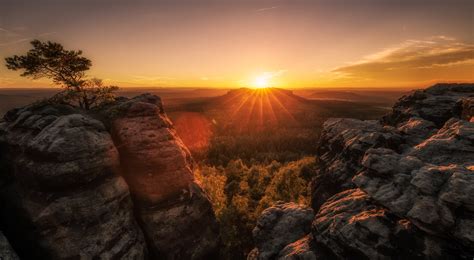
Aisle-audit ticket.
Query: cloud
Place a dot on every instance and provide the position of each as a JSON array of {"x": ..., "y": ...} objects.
[
  {"x": 436, "y": 58},
  {"x": 266, "y": 9},
  {"x": 16, "y": 36}
]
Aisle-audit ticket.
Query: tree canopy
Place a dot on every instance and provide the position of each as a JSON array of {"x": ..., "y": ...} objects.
[{"x": 66, "y": 68}]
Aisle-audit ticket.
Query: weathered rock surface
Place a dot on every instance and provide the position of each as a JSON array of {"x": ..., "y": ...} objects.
[
  {"x": 6, "y": 251},
  {"x": 61, "y": 195},
  {"x": 116, "y": 183},
  {"x": 437, "y": 104},
  {"x": 174, "y": 213},
  {"x": 342, "y": 146},
  {"x": 279, "y": 226},
  {"x": 419, "y": 189},
  {"x": 304, "y": 249},
  {"x": 399, "y": 188},
  {"x": 350, "y": 224}
]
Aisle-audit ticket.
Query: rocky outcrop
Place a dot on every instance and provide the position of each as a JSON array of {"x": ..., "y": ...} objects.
[
  {"x": 174, "y": 213},
  {"x": 342, "y": 145},
  {"x": 61, "y": 194},
  {"x": 398, "y": 188},
  {"x": 437, "y": 104},
  {"x": 350, "y": 224},
  {"x": 115, "y": 183},
  {"x": 278, "y": 226}
]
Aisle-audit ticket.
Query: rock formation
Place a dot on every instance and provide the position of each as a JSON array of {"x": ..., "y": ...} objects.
[
  {"x": 399, "y": 188},
  {"x": 279, "y": 226},
  {"x": 112, "y": 183},
  {"x": 174, "y": 213}
]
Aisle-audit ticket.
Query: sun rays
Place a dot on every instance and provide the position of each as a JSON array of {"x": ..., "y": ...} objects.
[{"x": 259, "y": 109}]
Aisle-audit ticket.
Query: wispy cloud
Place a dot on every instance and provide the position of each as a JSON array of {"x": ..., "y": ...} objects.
[
  {"x": 16, "y": 36},
  {"x": 422, "y": 59},
  {"x": 266, "y": 9}
]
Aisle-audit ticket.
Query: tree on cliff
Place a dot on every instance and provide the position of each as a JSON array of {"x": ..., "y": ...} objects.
[{"x": 66, "y": 68}]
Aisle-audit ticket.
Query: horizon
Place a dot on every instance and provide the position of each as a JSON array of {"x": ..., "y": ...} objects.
[
  {"x": 271, "y": 43},
  {"x": 236, "y": 129}
]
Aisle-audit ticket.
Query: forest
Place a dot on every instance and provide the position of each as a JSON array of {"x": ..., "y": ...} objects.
[{"x": 245, "y": 167}]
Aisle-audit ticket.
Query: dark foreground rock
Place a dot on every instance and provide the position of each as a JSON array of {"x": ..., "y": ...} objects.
[
  {"x": 400, "y": 188},
  {"x": 120, "y": 186},
  {"x": 279, "y": 226},
  {"x": 6, "y": 250}
]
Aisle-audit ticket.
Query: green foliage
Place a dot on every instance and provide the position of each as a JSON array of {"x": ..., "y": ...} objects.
[
  {"x": 66, "y": 68},
  {"x": 283, "y": 145},
  {"x": 51, "y": 60},
  {"x": 240, "y": 192},
  {"x": 213, "y": 180}
]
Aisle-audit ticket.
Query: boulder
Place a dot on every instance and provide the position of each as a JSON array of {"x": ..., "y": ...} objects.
[
  {"x": 278, "y": 226},
  {"x": 342, "y": 145}
]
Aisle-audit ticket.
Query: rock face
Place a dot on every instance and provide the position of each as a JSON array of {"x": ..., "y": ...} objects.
[
  {"x": 341, "y": 147},
  {"x": 72, "y": 185},
  {"x": 399, "y": 188},
  {"x": 279, "y": 226},
  {"x": 158, "y": 169}
]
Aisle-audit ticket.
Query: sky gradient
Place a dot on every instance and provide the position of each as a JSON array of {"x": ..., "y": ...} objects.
[{"x": 291, "y": 43}]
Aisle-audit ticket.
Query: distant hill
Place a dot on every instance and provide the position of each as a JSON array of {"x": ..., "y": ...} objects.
[
  {"x": 257, "y": 109},
  {"x": 341, "y": 95},
  {"x": 387, "y": 97}
]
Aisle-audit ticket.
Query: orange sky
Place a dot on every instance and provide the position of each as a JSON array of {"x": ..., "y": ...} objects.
[{"x": 290, "y": 43}]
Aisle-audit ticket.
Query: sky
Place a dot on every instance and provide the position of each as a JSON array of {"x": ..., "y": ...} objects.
[{"x": 228, "y": 44}]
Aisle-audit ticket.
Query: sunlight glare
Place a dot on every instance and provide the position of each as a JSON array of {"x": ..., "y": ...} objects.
[{"x": 261, "y": 82}]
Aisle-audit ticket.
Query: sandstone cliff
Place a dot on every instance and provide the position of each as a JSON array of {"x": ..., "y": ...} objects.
[
  {"x": 401, "y": 187},
  {"x": 116, "y": 183}
]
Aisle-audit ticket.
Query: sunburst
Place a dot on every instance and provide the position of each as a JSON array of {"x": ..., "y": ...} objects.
[{"x": 262, "y": 81}]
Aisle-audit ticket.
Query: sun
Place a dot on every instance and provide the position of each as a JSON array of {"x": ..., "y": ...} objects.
[{"x": 261, "y": 82}]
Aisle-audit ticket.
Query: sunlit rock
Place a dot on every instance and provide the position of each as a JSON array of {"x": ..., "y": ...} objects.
[
  {"x": 173, "y": 211},
  {"x": 423, "y": 178}
]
